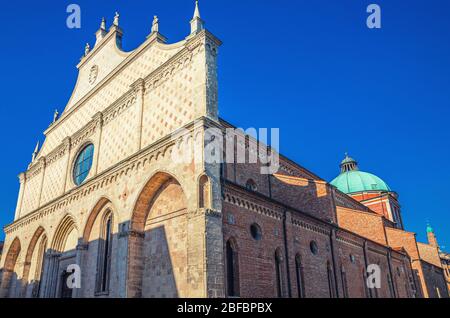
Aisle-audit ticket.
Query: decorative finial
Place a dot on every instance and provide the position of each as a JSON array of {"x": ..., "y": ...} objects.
[
  {"x": 87, "y": 49},
  {"x": 196, "y": 22},
  {"x": 155, "y": 24},
  {"x": 55, "y": 115},
  {"x": 196, "y": 11},
  {"x": 35, "y": 152},
  {"x": 116, "y": 19},
  {"x": 103, "y": 24}
]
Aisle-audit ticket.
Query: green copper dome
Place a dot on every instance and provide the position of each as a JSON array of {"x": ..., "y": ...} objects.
[
  {"x": 429, "y": 228},
  {"x": 352, "y": 180}
]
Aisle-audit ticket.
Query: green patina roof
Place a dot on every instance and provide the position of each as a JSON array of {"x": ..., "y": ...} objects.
[
  {"x": 429, "y": 229},
  {"x": 357, "y": 181}
]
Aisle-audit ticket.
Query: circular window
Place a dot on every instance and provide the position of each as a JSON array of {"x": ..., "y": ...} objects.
[
  {"x": 83, "y": 164},
  {"x": 313, "y": 247},
  {"x": 255, "y": 231}
]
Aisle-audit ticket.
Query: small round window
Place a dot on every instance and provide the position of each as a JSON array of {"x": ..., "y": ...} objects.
[
  {"x": 313, "y": 247},
  {"x": 83, "y": 164},
  {"x": 255, "y": 231}
]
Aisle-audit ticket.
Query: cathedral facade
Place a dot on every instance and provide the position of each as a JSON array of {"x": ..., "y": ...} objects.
[{"x": 106, "y": 198}]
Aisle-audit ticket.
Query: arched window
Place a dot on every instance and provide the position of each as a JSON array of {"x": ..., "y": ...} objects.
[
  {"x": 39, "y": 267},
  {"x": 330, "y": 280},
  {"x": 83, "y": 164},
  {"x": 299, "y": 276},
  {"x": 344, "y": 282},
  {"x": 251, "y": 185},
  {"x": 279, "y": 272},
  {"x": 232, "y": 270},
  {"x": 203, "y": 192},
  {"x": 104, "y": 254}
]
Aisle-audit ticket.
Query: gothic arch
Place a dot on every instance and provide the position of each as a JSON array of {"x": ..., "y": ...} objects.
[
  {"x": 279, "y": 272},
  {"x": 101, "y": 207},
  {"x": 98, "y": 251},
  {"x": 232, "y": 268},
  {"x": 151, "y": 243},
  {"x": 204, "y": 192},
  {"x": 65, "y": 227},
  {"x": 145, "y": 198},
  {"x": 39, "y": 234},
  {"x": 8, "y": 274}
]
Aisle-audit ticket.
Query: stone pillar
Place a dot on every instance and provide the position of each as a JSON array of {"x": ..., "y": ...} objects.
[
  {"x": 41, "y": 181},
  {"x": 139, "y": 90},
  {"x": 123, "y": 260},
  {"x": 135, "y": 268},
  {"x": 215, "y": 268},
  {"x": 196, "y": 254},
  {"x": 67, "y": 148},
  {"x": 98, "y": 119},
  {"x": 22, "y": 180},
  {"x": 50, "y": 277},
  {"x": 79, "y": 259}
]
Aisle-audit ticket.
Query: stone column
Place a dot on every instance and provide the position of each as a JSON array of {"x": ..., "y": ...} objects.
[
  {"x": 135, "y": 265},
  {"x": 215, "y": 267},
  {"x": 79, "y": 259},
  {"x": 139, "y": 90},
  {"x": 22, "y": 180},
  {"x": 50, "y": 277},
  {"x": 196, "y": 254},
  {"x": 123, "y": 259},
  {"x": 67, "y": 148},
  {"x": 42, "y": 163},
  {"x": 98, "y": 119}
]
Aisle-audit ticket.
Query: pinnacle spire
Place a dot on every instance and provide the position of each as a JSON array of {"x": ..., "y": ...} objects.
[
  {"x": 103, "y": 24},
  {"x": 116, "y": 19},
  {"x": 196, "y": 11},
  {"x": 155, "y": 24},
  {"x": 196, "y": 22},
  {"x": 35, "y": 152},
  {"x": 87, "y": 49}
]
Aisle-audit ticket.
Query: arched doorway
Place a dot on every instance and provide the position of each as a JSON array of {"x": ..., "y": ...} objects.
[
  {"x": 100, "y": 255},
  {"x": 34, "y": 264},
  {"x": 10, "y": 285},
  {"x": 61, "y": 254},
  {"x": 158, "y": 246}
]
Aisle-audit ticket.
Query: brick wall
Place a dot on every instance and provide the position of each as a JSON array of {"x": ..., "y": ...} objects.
[{"x": 366, "y": 224}]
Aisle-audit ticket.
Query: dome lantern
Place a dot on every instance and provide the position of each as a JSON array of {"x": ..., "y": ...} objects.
[
  {"x": 352, "y": 180},
  {"x": 348, "y": 164}
]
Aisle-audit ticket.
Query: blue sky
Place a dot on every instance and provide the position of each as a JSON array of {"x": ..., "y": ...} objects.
[{"x": 311, "y": 68}]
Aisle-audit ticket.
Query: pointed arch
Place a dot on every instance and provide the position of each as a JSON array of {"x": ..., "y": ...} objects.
[
  {"x": 232, "y": 268},
  {"x": 39, "y": 235},
  {"x": 101, "y": 207},
  {"x": 8, "y": 267},
  {"x": 299, "y": 275},
  {"x": 204, "y": 192},
  {"x": 65, "y": 227},
  {"x": 279, "y": 272},
  {"x": 145, "y": 198},
  {"x": 161, "y": 196}
]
